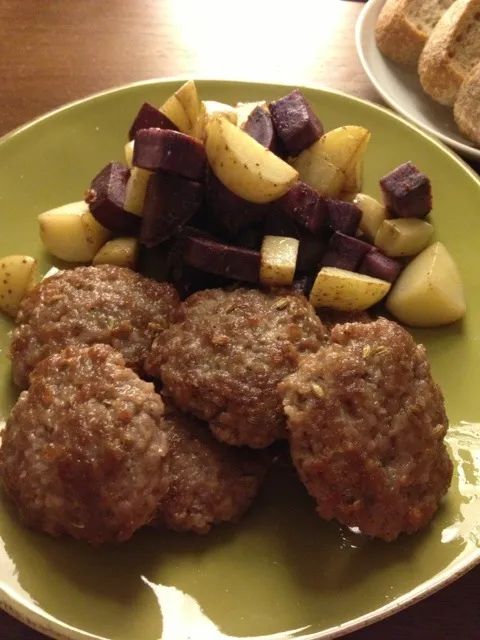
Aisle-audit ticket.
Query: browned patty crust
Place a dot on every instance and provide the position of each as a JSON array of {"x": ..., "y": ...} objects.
[
  {"x": 366, "y": 425},
  {"x": 87, "y": 305},
  {"x": 83, "y": 449},
  {"x": 224, "y": 357},
  {"x": 209, "y": 482}
]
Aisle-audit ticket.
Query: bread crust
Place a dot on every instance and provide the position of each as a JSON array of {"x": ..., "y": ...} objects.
[
  {"x": 467, "y": 106},
  {"x": 397, "y": 38}
]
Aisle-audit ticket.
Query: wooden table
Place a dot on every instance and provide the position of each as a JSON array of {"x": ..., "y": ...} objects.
[{"x": 55, "y": 51}]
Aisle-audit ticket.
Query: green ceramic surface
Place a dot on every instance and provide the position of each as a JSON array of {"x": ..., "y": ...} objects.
[{"x": 281, "y": 568}]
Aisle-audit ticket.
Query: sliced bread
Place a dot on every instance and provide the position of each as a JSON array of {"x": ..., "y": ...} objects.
[
  {"x": 403, "y": 27},
  {"x": 467, "y": 106},
  {"x": 452, "y": 50}
]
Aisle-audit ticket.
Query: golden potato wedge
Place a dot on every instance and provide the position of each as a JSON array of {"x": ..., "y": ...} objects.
[
  {"x": 135, "y": 190},
  {"x": 244, "y": 109},
  {"x": 243, "y": 165},
  {"x": 429, "y": 291},
  {"x": 346, "y": 291},
  {"x": 279, "y": 260},
  {"x": 122, "y": 252},
  {"x": 345, "y": 146},
  {"x": 18, "y": 276},
  {"x": 174, "y": 110},
  {"x": 129, "y": 153},
  {"x": 71, "y": 233},
  {"x": 187, "y": 96},
  {"x": 209, "y": 109},
  {"x": 353, "y": 181},
  {"x": 318, "y": 172},
  {"x": 403, "y": 236},
  {"x": 373, "y": 214}
]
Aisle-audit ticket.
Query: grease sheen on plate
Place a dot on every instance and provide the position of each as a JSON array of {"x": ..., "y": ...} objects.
[{"x": 281, "y": 568}]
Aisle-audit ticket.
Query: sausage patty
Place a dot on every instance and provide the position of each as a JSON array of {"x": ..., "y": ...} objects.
[
  {"x": 366, "y": 425},
  {"x": 223, "y": 358},
  {"x": 87, "y": 305},
  {"x": 83, "y": 449},
  {"x": 209, "y": 482}
]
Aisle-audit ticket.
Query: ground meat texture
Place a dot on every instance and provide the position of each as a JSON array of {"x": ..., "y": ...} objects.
[
  {"x": 366, "y": 425},
  {"x": 227, "y": 353},
  {"x": 209, "y": 482},
  {"x": 83, "y": 450},
  {"x": 87, "y": 305},
  {"x": 330, "y": 317}
]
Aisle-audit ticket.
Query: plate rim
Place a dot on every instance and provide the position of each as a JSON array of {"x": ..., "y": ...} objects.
[
  {"x": 27, "y": 613},
  {"x": 360, "y": 32}
]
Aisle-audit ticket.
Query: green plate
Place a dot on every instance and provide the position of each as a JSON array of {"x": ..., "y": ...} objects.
[{"x": 281, "y": 572}]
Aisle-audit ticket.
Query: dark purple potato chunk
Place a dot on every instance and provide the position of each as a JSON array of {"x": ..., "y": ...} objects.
[
  {"x": 259, "y": 126},
  {"x": 310, "y": 253},
  {"x": 150, "y": 117},
  {"x": 345, "y": 252},
  {"x": 231, "y": 213},
  {"x": 295, "y": 123},
  {"x": 161, "y": 149},
  {"x": 303, "y": 284},
  {"x": 278, "y": 223},
  {"x": 407, "y": 192},
  {"x": 250, "y": 238},
  {"x": 306, "y": 206},
  {"x": 378, "y": 265},
  {"x": 170, "y": 202},
  {"x": 223, "y": 260},
  {"x": 343, "y": 216},
  {"x": 106, "y": 197}
]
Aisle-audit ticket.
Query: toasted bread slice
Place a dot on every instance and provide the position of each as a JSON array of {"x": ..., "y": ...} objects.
[
  {"x": 403, "y": 27},
  {"x": 451, "y": 52},
  {"x": 467, "y": 106}
]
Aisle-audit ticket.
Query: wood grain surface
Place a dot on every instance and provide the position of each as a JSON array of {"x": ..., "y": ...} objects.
[{"x": 56, "y": 51}]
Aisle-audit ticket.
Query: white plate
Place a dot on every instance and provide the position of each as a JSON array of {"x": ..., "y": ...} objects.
[{"x": 401, "y": 89}]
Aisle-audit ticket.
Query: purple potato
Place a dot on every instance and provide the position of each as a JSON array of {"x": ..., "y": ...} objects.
[
  {"x": 161, "y": 149},
  {"x": 310, "y": 253},
  {"x": 223, "y": 260},
  {"x": 106, "y": 197},
  {"x": 345, "y": 252},
  {"x": 343, "y": 216},
  {"x": 170, "y": 202},
  {"x": 150, "y": 117},
  {"x": 378, "y": 265},
  {"x": 306, "y": 206},
  {"x": 303, "y": 284},
  {"x": 278, "y": 223},
  {"x": 250, "y": 238},
  {"x": 259, "y": 126},
  {"x": 295, "y": 123},
  {"x": 231, "y": 213},
  {"x": 407, "y": 192}
]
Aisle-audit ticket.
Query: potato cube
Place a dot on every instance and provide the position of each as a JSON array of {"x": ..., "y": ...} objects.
[
  {"x": 403, "y": 236},
  {"x": 122, "y": 252},
  {"x": 373, "y": 214},
  {"x": 278, "y": 261},
  {"x": 17, "y": 277},
  {"x": 407, "y": 192},
  {"x": 346, "y": 291}
]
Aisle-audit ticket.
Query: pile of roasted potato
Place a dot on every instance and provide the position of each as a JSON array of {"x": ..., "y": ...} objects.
[{"x": 257, "y": 193}]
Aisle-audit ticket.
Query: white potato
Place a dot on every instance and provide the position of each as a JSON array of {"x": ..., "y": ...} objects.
[
  {"x": 71, "y": 233},
  {"x": 18, "y": 275},
  {"x": 129, "y": 153},
  {"x": 244, "y": 166},
  {"x": 346, "y": 291},
  {"x": 210, "y": 109},
  {"x": 136, "y": 189},
  {"x": 403, "y": 236},
  {"x": 373, "y": 214},
  {"x": 279, "y": 260},
  {"x": 353, "y": 181},
  {"x": 187, "y": 96},
  {"x": 122, "y": 252},
  {"x": 345, "y": 146},
  {"x": 174, "y": 110},
  {"x": 429, "y": 291},
  {"x": 316, "y": 170},
  {"x": 244, "y": 109}
]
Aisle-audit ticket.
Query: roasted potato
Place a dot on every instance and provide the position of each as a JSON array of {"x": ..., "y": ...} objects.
[
  {"x": 346, "y": 291},
  {"x": 429, "y": 291},
  {"x": 129, "y": 153},
  {"x": 71, "y": 233},
  {"x": 345, "y": 146},
  {"x": 318, "y": 172},
  {"x": 243, "y": 165},
  {"x": 403, "y": 236},
  {"x": 122, "y": 252},
  {"x": 135, "y": 190},
  {"x": 18, "y": 276},
  {"x": 174, "y": 110},
  {"x": 278, "y": 260},
  {"x": 373, "y": 214},
  {"x": 244, "y": 109},
  {"x": 187, "y": 96}
]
